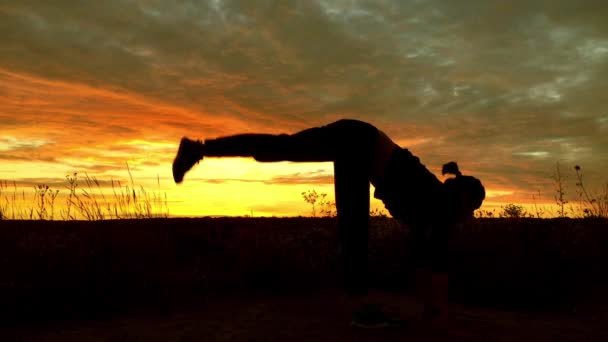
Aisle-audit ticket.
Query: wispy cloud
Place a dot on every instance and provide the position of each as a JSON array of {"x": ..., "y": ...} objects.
[{"x": 505, "y": 88}]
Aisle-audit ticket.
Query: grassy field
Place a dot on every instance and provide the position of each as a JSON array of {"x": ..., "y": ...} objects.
[{"x": 80, "y": 268}]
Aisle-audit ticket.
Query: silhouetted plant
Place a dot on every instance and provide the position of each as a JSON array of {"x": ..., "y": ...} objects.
[
  {"x": 539, "y": 212},
  {"x": 378, "y": 212},
  {"x": 319, "y": 200},
  {"x": 596, "y": 205},
  {"x": 126, "y": 202},
  {"x": 321, "y": 205},
  {"x": 44, "y": 197},
  {"x": 311, "y": 198},
  {"x": 328, "y": 208},
  {"x": 560, "y": 193},
  {"x": 482, "y": 213},
  {"x": 72, "y": 184},
  {"x": 513, "y": 211},
  {"x": 88, "y": 202},
  {"x": 3, "y": 204}
]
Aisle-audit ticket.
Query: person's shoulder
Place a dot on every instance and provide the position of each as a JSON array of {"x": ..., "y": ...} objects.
[
  {"x": 348, "y": 121},
  {"x": 405, "y": 155},
  {"x": 353, "y": 126}
]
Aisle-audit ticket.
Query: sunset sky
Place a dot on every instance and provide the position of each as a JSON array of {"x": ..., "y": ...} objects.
[{"x": 505, "y": 88}]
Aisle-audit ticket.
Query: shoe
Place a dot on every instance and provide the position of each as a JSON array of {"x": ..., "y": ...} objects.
[
  {"x": 188, "y": 154},
  {"x": 371, "y": 317}
]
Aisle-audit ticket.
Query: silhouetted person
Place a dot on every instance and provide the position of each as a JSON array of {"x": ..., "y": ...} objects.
[{"x": 362, "y": 154}]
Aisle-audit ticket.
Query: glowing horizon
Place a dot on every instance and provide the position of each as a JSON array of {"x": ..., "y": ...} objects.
[{"x": 237, "y": 187}]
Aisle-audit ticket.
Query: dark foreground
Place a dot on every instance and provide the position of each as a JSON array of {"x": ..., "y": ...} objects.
[
  {"x": 317, "y": 316},
  {"x": 243, "y": 279}
]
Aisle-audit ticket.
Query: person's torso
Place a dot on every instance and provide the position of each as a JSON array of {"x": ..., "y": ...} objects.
[
  {"x": 410, "y": 192},
  {"x": 382, "y": 152}
]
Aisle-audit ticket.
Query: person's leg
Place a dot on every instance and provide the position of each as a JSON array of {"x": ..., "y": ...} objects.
[
  {"x": 327, "y": 143},
  {"x": 437, "y": 300},
  {"x": 349, "y": 143},
  {"x": 438, "y": 283},
  {"x": 431, "y": 246},
  {"x": 318, "y": 144},
  {"x": 189, "y": 153},
  {"x": 315, "y": 144},
  {"x": 311, "y": 145}
]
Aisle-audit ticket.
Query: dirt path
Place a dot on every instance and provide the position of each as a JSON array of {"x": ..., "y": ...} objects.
[{"x": 318, "y": 316}]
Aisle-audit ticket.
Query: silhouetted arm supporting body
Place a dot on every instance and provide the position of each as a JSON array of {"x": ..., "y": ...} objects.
[
  {"x": 361, "y": 154},
  {"x": 349, "y": 144}
]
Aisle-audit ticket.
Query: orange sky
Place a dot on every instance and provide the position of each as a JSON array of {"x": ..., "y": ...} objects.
[{"x": 507, "y": 93}]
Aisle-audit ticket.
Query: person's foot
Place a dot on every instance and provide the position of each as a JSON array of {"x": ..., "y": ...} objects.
[
  {"x": 188, "y": 154},
  {"x": 371, "y": 317}
]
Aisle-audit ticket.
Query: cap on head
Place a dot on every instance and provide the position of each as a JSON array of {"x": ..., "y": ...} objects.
[{"x": 464, "y": 193}]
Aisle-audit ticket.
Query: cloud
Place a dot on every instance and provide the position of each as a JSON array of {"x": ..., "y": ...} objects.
[
  {"x": 267, "y": 60},
  {"x": 505, "y": 88},
  {"x": 62, "y": 184},
  {"x": 9, "y": 143},
  {"x": 312, "y": 178}
]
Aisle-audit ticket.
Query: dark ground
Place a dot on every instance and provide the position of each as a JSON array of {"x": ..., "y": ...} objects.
[
  {"x": 249, "y": 279},
  {"x": 321, "y": 315}
]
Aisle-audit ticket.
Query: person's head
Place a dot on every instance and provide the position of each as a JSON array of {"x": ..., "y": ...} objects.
[{"x": 464, "y": 194}]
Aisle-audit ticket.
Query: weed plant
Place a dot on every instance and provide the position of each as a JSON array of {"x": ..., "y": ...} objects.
[
  {"x": 588, "y": 204},
  {"x": 593, "y": 205},
  {"x": 85, "y": 200}
]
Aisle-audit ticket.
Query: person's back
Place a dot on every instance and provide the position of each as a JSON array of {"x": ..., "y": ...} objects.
[
  {"x": 362, "y": 154},
  {"x": 409, "y": 191}
]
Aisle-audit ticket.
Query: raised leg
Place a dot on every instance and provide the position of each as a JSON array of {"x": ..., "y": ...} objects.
[
  {"x": 311, "y": 145},
  {"x": 318, "y": 144}
]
